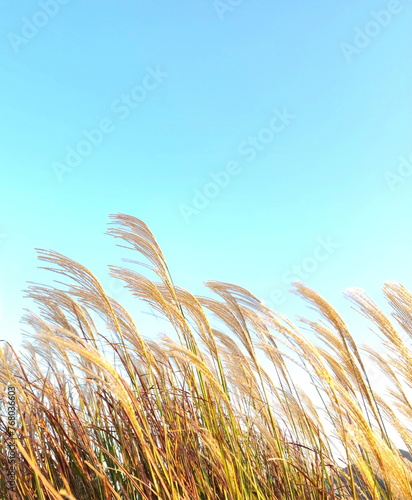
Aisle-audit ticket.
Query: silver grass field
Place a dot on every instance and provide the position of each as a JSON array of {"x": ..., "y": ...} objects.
[{"x": 212, "y": 412}]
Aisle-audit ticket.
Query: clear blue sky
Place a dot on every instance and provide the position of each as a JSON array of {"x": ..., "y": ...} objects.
[{"x": 183, "y": 91}]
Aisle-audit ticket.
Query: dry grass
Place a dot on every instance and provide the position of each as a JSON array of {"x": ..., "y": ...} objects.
[{"x": 105, "y": 413}]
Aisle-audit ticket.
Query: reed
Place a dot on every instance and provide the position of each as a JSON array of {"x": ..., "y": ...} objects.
[{"x": 214, "y": 410}]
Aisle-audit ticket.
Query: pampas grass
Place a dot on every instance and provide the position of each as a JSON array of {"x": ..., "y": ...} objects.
[{"x": 213, "y": 411}]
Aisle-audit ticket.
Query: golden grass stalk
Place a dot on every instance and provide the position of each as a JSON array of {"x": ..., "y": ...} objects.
[{"x": 215, "y": 410}]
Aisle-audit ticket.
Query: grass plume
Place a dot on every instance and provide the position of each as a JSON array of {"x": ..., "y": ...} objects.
[{"x": 212, "y": 412}]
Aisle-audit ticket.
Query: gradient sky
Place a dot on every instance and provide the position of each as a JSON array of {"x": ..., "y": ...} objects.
[{"x": 329, "y": 173}]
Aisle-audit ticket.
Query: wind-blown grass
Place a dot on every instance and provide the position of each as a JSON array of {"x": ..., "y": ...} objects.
[{"x": 107, "y": 413}]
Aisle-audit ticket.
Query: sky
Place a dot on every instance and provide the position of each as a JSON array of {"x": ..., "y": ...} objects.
[{"x": 262, "y": 142}]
